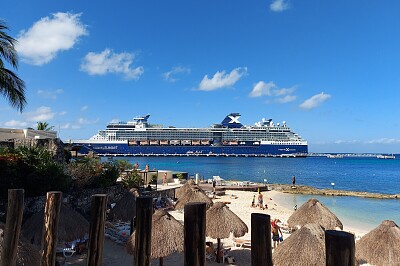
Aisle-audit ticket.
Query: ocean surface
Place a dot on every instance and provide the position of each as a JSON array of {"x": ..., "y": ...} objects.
[{"x": 349, "y": 173}]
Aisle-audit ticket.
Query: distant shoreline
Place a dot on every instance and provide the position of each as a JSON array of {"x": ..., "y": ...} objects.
[
  {"x": 304, "y": 190},
  {"x": 308, "y": 190}
]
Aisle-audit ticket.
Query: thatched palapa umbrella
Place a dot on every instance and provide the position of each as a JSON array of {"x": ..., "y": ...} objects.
[
  {"x": 71, "y": 226},
  {"x": 314, "y": 211},
  {"x": 193, "y": 195},
  {"x": 125, "y": 208},
  {"x": 185, "y": 188},
  {"x": 221, "y": 222},
  {"x": 166, "y": 236},
  {"x": 305, "y": 246},
  {"x": 381, "y": 246},
  {"x": 27, "y": 254}
]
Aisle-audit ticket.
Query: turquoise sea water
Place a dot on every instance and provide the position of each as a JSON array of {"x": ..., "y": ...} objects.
[{"x": 356, "y": 174}]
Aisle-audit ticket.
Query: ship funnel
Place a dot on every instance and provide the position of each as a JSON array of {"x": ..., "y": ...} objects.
[{"x": 232, "y": 121}]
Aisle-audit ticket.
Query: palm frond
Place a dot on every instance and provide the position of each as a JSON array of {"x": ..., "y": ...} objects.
[{"x": 13, "y": 88}]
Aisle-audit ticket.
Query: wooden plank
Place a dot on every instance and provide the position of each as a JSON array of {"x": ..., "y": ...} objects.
[
  {"x": 195, "y": 234},
  {"x": 50, "y": 227},
  {"x": 96, "y": 230},
  {"x": 340, "y": 248},
  {"x": 144, "y": 214},
  {"x": 15, "y": 210},
  {"x": 261, "y": 252}
]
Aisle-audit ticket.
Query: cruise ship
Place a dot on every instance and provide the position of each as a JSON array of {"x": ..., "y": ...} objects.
[{"x": 228, "y": 138}]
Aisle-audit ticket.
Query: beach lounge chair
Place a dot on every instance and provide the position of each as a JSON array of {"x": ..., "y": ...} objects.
[
  {"x": 69, "y": 252},
  {"x": 225, "y": 254},
  {"x": 210, "y": 251},
  {"x": 243, "y": 243}
]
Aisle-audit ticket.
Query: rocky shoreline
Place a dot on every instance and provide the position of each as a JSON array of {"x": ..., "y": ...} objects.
[{"x": 307, "y": 190}]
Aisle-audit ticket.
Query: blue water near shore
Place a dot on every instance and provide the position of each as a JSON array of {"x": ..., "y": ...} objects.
[{"x": 355, "y": 174}]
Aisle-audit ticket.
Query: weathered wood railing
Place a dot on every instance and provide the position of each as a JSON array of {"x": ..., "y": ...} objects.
[{"x": 339, "y": 245}]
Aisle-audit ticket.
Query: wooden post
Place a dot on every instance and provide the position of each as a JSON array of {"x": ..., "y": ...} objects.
[
  {"x": 195, "y": 234},
  {"x": 340, "y": 248},
  {"x": 219, "y": 250},
  {"x": 96, "y": 230},
  {"x": 144, "y": 213},
  {"x": 50, "y": 227},
  {"x": 261, "y": 252},
  {"x": 15, "y": 210}
]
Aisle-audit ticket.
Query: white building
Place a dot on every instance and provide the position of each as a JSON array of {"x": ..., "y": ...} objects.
[{"x": 12, "y": 133}]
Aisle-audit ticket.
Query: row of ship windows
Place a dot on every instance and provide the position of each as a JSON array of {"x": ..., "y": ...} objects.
[{"x": 171, "y": 136}]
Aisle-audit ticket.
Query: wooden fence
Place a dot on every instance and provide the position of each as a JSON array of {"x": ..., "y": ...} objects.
[{"x": 339, "y": 245}]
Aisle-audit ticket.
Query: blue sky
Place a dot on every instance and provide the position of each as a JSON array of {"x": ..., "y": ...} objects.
[{"x": 330, "y": 69}]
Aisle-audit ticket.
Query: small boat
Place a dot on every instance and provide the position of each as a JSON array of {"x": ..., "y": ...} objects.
[
  {"x": 381, "y": 156},
  {"x": 335, "y": 156}
]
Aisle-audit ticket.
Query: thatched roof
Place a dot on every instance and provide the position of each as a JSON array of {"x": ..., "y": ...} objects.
[
  {"x": 381, "y": 246},
  {"x": 166, "y": 235},
  {"x": 305, "y": 246},
  {"x": 27, "y": 253},
  {"x": 71, "y": 226},
  {"x": 125, "y": 208},
  {"x": 221, "y": 221},
  {"x": 185, "y": 188},
  {"x": 193, "y": 194},
  {"x": 314, "y": 211}
]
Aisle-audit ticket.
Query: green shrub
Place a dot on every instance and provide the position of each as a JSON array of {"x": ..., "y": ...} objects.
[
  {"x": 91, "y": 173},
  {"x": 32, "y": 169},
  {"x": 132, "y": 179}
]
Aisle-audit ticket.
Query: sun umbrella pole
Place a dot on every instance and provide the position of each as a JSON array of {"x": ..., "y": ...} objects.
[
  {"x": 50, "y": 227},
  {"x": 340, "y": 248},
  {"x": 15, "y": 211},
  {"x": 218, "y": 250},
  {"x": 161, "y": 261}
]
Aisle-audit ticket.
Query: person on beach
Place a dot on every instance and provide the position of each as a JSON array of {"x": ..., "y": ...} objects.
[
  {"x": 214, "y": 184},
  {"x": 164, "y": 180},
  {"x": 253, "y": 203},
  {"x": 293, "y": 181},
  {"x": 147, "y": 167},
  {"x": 260, "y": 200},
  {"x": 136, "y": 166},
  {"x": 275, "y": 230}
]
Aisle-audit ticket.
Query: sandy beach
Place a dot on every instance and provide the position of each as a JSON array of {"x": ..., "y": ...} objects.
[{"x": 240, "y": 203}]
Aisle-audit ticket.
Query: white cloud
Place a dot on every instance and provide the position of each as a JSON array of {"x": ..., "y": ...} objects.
[
  {"x": 84, "y": 108},
  {"x": 221, "y": 79},
  {"x": 41, "y": 114},
  {"x": 262, "y": 88},
  {"x": 347, "y": 141},
  {"x": 49, "y": 36},
  {"x": 384, "y": 141},
  {"x": 109, "y": 62},
  {"x": 62, "y": 113},
  {"x": 15, "y": 123},
  {"x": 272, "y": 90},
  {"x": 69, "y": 126},
  {"x": 284, "y": 91},
  {"x": 315, "y": 101},
  {"x": 279, "y": 5},
  {"x": 49, "y": 94},
  {"x": 83, "y": 121},
  {"x": 170, "y": 75},
  {"x": 115, "y": 121},
  {"x": 286, "y": 99}
]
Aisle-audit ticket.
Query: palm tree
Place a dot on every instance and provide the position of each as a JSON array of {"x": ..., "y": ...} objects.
[
  {"x": 11, "y": 86},
  {"x": 44, "y": 126}
]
